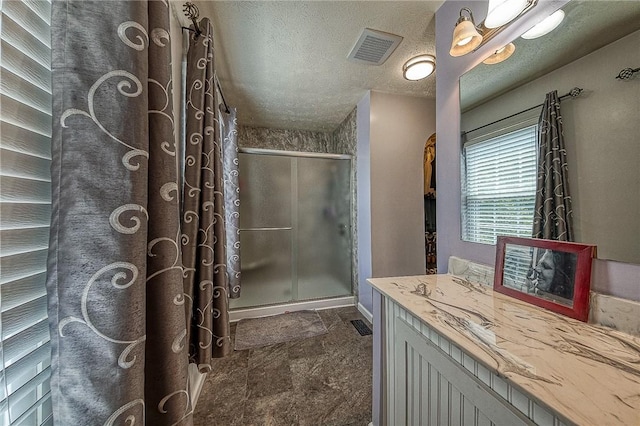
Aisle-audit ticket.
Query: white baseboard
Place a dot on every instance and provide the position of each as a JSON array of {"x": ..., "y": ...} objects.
[
  {"x": 196, "y": 382},
  {"x": 264, "y": 311},
  {"x": 365, "y": 312}
]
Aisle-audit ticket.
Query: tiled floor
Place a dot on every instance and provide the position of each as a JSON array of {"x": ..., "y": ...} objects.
[{"x": 324, "y": 380}]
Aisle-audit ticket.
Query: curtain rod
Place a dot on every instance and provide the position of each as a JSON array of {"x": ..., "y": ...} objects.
[
  {"x": 573, "y": 93},
  {"x": 191, "y": 11}
]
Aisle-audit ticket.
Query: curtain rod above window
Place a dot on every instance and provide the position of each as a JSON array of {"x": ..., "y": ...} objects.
[{"x": 573, "y": 93}]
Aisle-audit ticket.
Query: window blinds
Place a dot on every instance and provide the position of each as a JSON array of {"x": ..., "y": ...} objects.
[
  {"x": 517, "y": 266},
  {"x": 499, "y": 185},
  {"x": 25, "y": 154}
]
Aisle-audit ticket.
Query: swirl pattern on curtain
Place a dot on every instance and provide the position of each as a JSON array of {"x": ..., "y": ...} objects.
[
  {"x": 230, "y": 169},
  {"x": 553, "y": 216},
  {"x": 116, "y": 313},
  {"x": 203, "y": 218}
]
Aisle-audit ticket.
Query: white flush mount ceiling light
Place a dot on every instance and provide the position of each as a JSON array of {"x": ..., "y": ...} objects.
[
  {"x": 501, "y": 54},
  {"x": 501, "y": 12},
  {"x": 419, "y": 67},
  {"x": 465, "y": 35},
  {"x": 549, "y": 24}
]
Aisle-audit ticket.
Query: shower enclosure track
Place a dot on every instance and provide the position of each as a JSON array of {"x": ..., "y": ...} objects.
[{"x": 262, "y": 151}]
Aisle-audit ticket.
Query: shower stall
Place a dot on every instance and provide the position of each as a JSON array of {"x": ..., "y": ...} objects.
[{"x": 295, "y": 227}]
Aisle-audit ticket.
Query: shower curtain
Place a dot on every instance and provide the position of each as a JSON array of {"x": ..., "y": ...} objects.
[
  {"x": 230, "y": 170},
  {"x": 206, "y": 284},
  {"x": 115, "y": 298},
  {"x": 553, "y": 216}
]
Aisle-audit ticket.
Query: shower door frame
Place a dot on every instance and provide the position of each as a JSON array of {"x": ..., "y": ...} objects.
[{"x": 294, "y": 213}]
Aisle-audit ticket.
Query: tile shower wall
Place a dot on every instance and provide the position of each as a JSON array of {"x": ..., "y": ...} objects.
[
  {"x": 344, "y": 141},
  {"x": 344, "y": 137},
  {"x": 341, "y": 141},
  {"x": 284, "y": 139}
]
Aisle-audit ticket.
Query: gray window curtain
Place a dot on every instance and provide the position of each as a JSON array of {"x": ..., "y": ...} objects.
[
  {"x": 203, "y": 219},
  {"x": 553, "y": 216},
  {"x": 114, "y": 279},
  {"x": 230, "y": 163}
]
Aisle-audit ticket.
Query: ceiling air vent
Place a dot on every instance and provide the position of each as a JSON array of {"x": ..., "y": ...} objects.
[{"x": 374, "y": 47}]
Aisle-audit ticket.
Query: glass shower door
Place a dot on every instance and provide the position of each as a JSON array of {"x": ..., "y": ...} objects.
[
  {"x": 295, "y": 233},
  {"x": 323, "y": 227},
  {"x": 265, "y": 230}
]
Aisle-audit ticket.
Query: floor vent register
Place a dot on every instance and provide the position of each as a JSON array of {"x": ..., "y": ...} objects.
[{"x": 362, "y": 328}]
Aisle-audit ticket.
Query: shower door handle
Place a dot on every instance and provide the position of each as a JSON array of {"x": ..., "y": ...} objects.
[
  {"x": 266, "y": 229},
  {"x": 342, "y": 229}
]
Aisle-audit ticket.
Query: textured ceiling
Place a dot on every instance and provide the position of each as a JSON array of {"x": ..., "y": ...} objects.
[
  {"x": 283, "y": 64},
  {"x": 588, "y": 26}
]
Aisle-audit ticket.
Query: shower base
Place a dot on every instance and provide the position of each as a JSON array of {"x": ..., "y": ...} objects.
[{"x": 263, "y": 311}]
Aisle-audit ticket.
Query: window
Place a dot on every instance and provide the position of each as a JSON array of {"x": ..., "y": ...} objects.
[
  {"x": 25, "y": 157},
  {"x": 517, "y": 266},
  {"x": 499, "y": 184}
]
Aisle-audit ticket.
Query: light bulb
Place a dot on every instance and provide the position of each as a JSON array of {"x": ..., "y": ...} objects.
[
  {"x": 501, "y": 12},
  {"x": 549, "y": 24}
]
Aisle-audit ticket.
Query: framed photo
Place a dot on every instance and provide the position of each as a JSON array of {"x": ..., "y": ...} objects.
[{"x": 555, "y": 275}]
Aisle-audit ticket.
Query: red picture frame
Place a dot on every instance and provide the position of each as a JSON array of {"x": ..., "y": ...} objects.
[{"x": 555, "y": 275}]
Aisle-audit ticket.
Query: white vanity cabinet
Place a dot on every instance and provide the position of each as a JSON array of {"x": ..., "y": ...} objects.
[
  {"x": 459, "y": 354},
  {"x": 434, "y": 383}
]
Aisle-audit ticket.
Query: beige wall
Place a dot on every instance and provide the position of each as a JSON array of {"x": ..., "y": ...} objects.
[
  {"x": 391, "y": 133},
  {"x": 399, "y": 128}
]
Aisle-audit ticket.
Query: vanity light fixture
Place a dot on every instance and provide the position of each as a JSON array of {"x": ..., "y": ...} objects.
[
  {"x": 501, "y": 12},
  {"x": 465, "y": 35},
  {"x": 501, "y": 54},
  {"x": 419, "y": 67},
  {"x": 549, "y": 24}
]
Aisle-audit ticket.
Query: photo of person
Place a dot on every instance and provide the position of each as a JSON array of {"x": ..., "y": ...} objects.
[
  {"x": 552, "y": 273},
  {"x": 555, "y": 275}
]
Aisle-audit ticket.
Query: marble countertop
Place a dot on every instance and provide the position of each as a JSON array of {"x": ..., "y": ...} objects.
[{"x": 587, "y": 373}]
